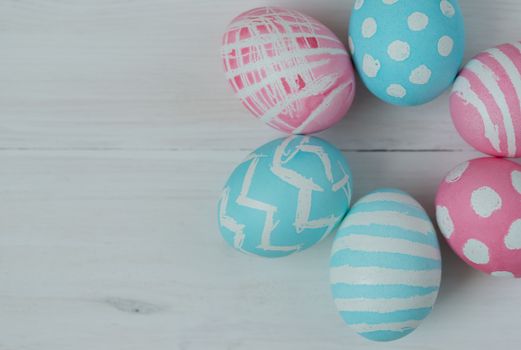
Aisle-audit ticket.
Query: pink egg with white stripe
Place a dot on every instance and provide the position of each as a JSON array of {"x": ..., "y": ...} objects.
[
  {"x": 288, "y": 69},
  {"x": 478, "y": 209},
  {"x": 486, "y": 101}
]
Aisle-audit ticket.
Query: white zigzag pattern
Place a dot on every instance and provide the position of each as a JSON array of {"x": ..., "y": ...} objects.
[
  {"x": 306, "y": 188},
  {"x": 227, "y": 221},
  {"x": 270, "y": 210},
  {"x": 230, "y": 223},
  {"x": 342, "y": 184}
]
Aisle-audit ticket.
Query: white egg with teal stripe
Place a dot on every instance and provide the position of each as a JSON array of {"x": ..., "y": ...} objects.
[{"x": 385, "y": 266}]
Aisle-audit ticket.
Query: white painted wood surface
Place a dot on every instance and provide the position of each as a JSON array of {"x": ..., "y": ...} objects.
[{"x": 117, "y": 131}]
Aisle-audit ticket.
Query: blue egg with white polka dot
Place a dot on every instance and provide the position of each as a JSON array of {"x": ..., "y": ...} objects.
[{"x": 407, "y": 52}]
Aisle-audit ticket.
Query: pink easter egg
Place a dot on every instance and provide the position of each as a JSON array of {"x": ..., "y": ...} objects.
[
  {"x": 486, "y": 101},
  {"x": 478, "y": 209},
  {"x": 288, "y": 69}
]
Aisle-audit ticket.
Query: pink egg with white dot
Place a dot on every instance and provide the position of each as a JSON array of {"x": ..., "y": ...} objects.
[
  {"x": 486, "y": 101},
  {"x": 478, "y": 209},
  {"x": 288, "y": 69}
]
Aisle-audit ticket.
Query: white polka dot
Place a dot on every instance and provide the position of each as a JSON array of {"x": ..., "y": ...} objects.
[
  {"x": 503, "y": 274},
  {"x": 485, "y": 201},
  {"x": 370, "y": 66},
  {"x": 369, "y": 27},
  {"x": 417, "y": 21},
  {"x": 390, "y": 2},
  {"x": 476, "y": 251},
  {"x": 516, "y": 181},
  {"x": 447, "y": 9},
  {"x": 420, "y": 75},
  {"x": 513, "y": 239},
  {"x": 396, "y": 90},
  {"x": 457, "y": 173},
  {"x": 445, "y": 45},
  {"x": 445, "y": 221},
  {"x": 351, "y": 45},
  {"x": 399, "y": 50},
  {"x": 359, "y": 4}
]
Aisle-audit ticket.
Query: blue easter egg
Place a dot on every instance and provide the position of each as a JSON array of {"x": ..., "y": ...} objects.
[
  {"x": 285, "y": 197},
  {"x": 385, "y": 266},
  {"x": 407, "y": 52}
]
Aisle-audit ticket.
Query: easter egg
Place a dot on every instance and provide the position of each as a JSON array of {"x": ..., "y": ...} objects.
[
  {"x": 486, "y": 101},
  {"x": 385, "y": 266},
  {"x": 288, "y": 69},
  {"x": 407, "y": 52},
  {"x": 285, "y": 197},
  {"x": 478, "y": 208}
]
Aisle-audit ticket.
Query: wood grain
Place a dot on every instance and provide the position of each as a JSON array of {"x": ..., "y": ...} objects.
[
  {"x": 117, "y": 131},
  {"x": 147, "y": 75}
]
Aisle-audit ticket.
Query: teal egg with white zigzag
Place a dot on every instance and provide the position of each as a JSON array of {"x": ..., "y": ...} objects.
[
  {"x": 285, "y": 197},
  {"x": 385, "y": 266}
]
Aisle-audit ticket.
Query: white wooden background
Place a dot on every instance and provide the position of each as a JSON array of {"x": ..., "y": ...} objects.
[{"x": 117, "y": 131}]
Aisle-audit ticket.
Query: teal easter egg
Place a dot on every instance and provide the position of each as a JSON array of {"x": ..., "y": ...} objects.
[
  {"x": 407, "y": 52},
  {"x": 285, "y": 197},
  {"x": 385, "y": 266}
]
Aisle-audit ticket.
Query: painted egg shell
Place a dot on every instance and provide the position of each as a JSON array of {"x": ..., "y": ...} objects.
[
  {"x": 288, "y": 69},
  {"x": 285, "y": 197},
  {"x": 407, "y": 51},
  {"x": 486, "y": 101},
  {"x": 478, "y": 208},
  {"x": 385, "y": 266}
]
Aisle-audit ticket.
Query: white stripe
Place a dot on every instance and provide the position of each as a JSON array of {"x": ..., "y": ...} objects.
[
  {"x": 326, "y": 103},
  {"x": 365, "y": 243},
  {"x": 273, "y": 39},
  {"x": 230, "y": 223},
  {"x": 322, "y": 155},
  {"x": 464, "y": 90},
  {"x": 272, "y": 20},
  {"x": 386, "y": 305},
  {"x": 275, "y": 35},
  {"x": 272, "y": 78},
  {"x": 317, "y": 86},
  {"x": 389, "y": 218},
  {"x": 517, "y": 45},
  {"x": 514, "y": 77},
  {"x": 490, "y": 80},
  {"x": 280, "y": 57},
  {"x": 288, "y": 175},
  {"x": 269, "y": 222},
  {"x": 305, "y": 186},
  {"x": 277, "y": 39},
  {"x": 399, "y": 326},
  {"x": 508, "y": 65},
  {"x": 375, "y": 276},
  {"x": 390, "y": 197},
  {"x": 283, "y": 57},
  {"x": 343, "y": 183}
]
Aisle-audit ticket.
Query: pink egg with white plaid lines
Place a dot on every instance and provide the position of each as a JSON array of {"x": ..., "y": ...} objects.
[
  {"x": 486, "y": 101},
  {"x": 478, "y": 209},
  {"x": 288, "y": 69}
]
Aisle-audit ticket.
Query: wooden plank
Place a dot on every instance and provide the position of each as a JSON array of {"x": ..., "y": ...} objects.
[
  {"x": 117, "y": 131},
  {"x": 120, "y": 250},
  {"x": 147, "y": 75}
]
